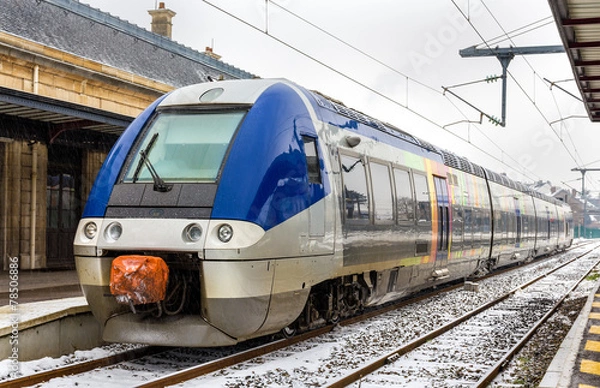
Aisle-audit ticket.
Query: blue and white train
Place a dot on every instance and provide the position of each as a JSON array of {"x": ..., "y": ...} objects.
[{"x": 236, "y": 209}]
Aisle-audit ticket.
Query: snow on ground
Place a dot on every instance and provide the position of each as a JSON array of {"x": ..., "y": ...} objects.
[
  {"x": 28, "y": 312},
  {"x": 308, "y": 364}
]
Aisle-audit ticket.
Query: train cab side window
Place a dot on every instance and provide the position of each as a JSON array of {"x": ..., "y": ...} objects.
[
  {"x": 312, "y": 159},
  {"x": 405, "y": 206},
  {"x": 422, "y": 197},
  {"x": 382, "y": 193},
  {"x": 356, "y": 198}
]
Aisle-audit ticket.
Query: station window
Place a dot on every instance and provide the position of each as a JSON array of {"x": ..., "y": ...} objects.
[
  {"x": 422, "y": 197},
  {"x": 382, "y": 193},
  {"x": 405, "y": 207},
  {"x": 356, "y": 197},
  {"x": 312, "y": 159}
]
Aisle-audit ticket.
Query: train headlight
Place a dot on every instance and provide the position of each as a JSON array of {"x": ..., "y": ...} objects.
[
  {"x": 90, "y": 229},
  {"x": 113, "y": 231},
  {"x": 225, "y": 233},
  {"x": 192, "y": 233}
]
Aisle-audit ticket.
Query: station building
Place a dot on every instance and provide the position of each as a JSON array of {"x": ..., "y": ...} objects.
[{"x": 71, "y": 79}]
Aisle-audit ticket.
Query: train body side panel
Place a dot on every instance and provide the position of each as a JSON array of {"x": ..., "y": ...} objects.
[
  {"x": 514, "y": 223},
  {"x": 471, "y": 226}
]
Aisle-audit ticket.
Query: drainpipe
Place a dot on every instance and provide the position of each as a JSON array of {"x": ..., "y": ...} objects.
[
  {"x": 36, "y": 79},
  {"x": 33, "y": 204}
]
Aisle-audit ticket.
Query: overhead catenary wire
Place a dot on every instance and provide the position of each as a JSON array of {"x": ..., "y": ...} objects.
[
  {"x": 536, "y": 106},
  {"x": 436, "y": 90},
  {"x": 512, "y": 34},
  {"x": 519, "y": 171},
  {"x": 515, "y": 80},
  {"x": 423, "y": 84}
]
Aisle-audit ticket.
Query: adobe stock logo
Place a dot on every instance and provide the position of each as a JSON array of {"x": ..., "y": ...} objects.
[{"x": 543, "y": 142}]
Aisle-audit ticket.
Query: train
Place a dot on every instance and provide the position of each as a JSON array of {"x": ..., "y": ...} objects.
[{"x": 237, "y": 209}]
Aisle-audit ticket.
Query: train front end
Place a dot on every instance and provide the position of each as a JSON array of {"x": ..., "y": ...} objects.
[{"x": 198, "y": 203}]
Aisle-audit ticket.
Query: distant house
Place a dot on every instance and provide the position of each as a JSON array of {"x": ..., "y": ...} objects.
[
  {"x": 575, "y": 201},
  {"x": 71, "y": 79}
]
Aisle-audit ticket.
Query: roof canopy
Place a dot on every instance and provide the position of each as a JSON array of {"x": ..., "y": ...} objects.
[{"x": 578, "y": 23}]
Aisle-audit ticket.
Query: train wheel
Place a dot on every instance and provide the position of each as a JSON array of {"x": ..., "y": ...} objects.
[
  {"x": 335, "y": 318},
  {"x": 289, "y": 331}
]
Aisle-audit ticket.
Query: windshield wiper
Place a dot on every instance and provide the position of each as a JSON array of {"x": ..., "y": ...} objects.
[{"x": 159, "y": 183}]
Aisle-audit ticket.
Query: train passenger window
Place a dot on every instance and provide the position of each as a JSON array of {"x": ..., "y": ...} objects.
[
  {"x": 405, "y": 207},
  {"x": 382, "y": 193},
  {"x": 422, "y": 197},
  {"x": 312, "y": 159},
  {"x": 356, "y": 197}
]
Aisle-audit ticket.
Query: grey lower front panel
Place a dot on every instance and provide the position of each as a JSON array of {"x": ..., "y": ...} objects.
[
  {"x": 239, "y": 317},
  {"x": 180, "y": 330},
  {"x": 102, "y": 303}
]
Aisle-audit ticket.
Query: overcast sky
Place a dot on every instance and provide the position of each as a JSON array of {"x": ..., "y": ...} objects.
[{"x": 411, "y": 52}]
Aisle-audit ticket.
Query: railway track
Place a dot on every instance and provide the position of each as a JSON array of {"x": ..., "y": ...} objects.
[
  {"x": 81, "y": 367},
  {"x": 238, "y": 356},
  {"x": 523, "y": 310}
]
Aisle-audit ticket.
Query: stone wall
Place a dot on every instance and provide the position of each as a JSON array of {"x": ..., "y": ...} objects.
[
  {"x": 23, "y": 174},
  {"x": 30, "y": 67}
]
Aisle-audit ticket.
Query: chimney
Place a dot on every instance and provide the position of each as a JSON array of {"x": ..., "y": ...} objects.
[
  {"x": 210, "y": 53},
  {"x": 161, "y": 20}
]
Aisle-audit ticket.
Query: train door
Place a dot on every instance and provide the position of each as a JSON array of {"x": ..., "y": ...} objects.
[
  {"x": 549, "y": 223},
  {"x": 423, "y": 215},
  {"x": 443, "y": 218},
  {"x": 317, "y": 214},
  {"x": 519, "y": 225}
]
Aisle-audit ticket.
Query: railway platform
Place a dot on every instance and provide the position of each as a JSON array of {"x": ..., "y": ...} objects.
[
  {"x": 577, "y": 363},
  {"x": 47, "y": 316},
  {"x": 34, "y": 286}
]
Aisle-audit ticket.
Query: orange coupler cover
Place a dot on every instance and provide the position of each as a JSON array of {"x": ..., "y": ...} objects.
[{"x": 138, "y": 279}]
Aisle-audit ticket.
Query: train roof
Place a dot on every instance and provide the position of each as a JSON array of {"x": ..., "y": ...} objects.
[
  {"x": 240, "y": 91},
  {"x": 450, "y": 159}
]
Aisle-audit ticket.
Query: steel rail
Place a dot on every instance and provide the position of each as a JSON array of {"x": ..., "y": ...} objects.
[
  {"x": 212, "y": 366},
  {"x": 372, "y": 366},
  {"x": 82, "y": 367},
  {"x": 199, "y": 370},
  {"x": 493, "y": 372}
]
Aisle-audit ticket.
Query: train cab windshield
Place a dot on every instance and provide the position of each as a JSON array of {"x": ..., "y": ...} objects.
[{"x": 183, "y": 147}]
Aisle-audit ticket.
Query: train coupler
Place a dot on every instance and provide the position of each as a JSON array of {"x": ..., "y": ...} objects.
[{"x": 138, "y": 280}]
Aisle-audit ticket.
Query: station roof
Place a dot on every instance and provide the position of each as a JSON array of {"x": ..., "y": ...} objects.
[
  {"x": 78, "y": 29},
  {"x": 60, "y": 115},
  {"x": 87, "y": 32},
  {"x": 578, "y": 23}
]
